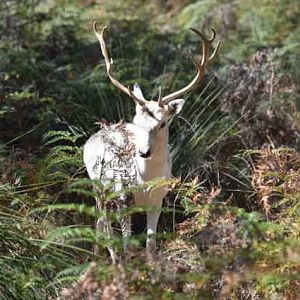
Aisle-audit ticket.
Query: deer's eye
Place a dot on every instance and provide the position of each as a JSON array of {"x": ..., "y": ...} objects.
[
  {"x": 162, "y": 125},
  {"x": 149, "y": 112}
]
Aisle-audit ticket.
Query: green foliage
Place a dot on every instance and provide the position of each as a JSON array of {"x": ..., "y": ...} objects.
[
  {"x": 65, "y": 157},
  {"x": 239, "y": 231},
  {"x": 27, "y": 269},
  {"x": 246, "y": 26},
  {"x": 195, "y": 13}
]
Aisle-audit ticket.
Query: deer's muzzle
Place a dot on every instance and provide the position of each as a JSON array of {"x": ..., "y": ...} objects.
[{"x": 145, "y": 154}]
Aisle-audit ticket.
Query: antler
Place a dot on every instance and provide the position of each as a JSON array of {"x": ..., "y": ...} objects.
[
  {"x": 109, "y": 62},
  {"x": 206, "y": 43}
]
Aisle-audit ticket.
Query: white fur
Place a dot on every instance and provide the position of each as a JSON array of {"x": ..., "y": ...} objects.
[{"x": 145, "y": 134}]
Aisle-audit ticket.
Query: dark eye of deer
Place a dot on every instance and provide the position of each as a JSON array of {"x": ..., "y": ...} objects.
[{"x": 162, "y": 125}]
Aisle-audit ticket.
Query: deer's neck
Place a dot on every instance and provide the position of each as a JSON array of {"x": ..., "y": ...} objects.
[
  {"x": 161, "y": 144},
  {"x": 158, "y": 165}
]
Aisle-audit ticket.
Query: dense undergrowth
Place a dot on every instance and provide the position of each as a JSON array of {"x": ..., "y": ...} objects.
[{"x": 230, "y": 224}]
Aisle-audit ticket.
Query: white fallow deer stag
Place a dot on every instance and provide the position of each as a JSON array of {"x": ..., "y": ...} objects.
[{"x": 132, "y": 154}]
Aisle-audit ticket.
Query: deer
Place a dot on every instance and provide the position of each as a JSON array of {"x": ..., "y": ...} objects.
[{"x": 131, "y": 154}]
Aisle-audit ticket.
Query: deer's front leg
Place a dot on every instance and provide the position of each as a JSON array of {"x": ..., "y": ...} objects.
[{"x": 152, "y": 220}]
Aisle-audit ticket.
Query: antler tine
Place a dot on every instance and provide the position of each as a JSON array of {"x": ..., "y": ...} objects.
[
  {"x": 206, "y": 43},
  {"x": 216, "y": 51},
  {"x": 160, "y": 102},
  {"x": 108, "y": 63}
]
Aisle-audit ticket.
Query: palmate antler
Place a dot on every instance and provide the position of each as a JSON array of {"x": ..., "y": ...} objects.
[{"x": 206, "y": 58}]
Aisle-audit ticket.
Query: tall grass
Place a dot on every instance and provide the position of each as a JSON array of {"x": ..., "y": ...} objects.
[{"x": 54, "y": 88}]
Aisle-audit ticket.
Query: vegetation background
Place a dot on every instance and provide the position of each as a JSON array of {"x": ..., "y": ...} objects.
[{"x": 231, "y": 222}]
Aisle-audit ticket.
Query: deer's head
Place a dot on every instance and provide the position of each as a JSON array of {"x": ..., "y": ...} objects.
[{"x": 153, "y": 116}]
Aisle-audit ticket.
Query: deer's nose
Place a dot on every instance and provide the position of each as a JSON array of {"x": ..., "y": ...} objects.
[{"x": 145, "y": 154}]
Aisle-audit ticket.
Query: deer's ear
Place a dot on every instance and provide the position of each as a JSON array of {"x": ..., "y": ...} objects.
[
  {"x": 175, "y": 106},
  {"x": 138, "y": 92}
]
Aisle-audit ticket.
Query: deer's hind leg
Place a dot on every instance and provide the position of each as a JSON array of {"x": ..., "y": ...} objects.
[
  {"x": 103, "y": 224},
  {"x": 126, "y": 201}
]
